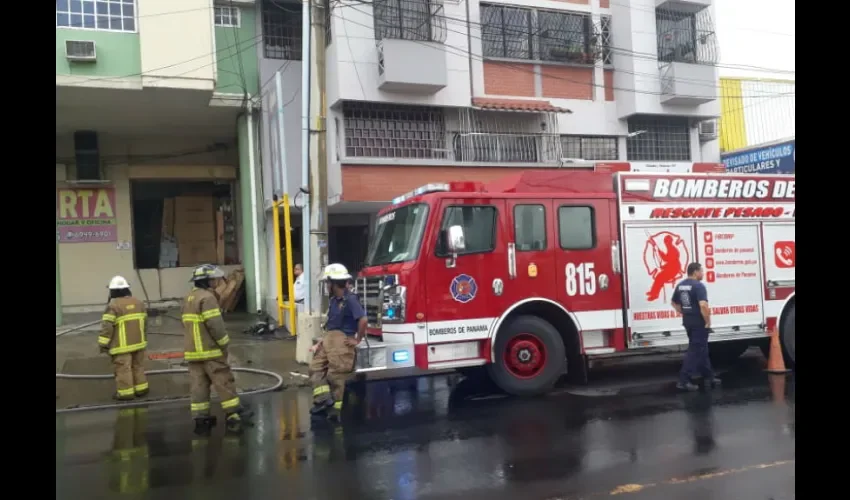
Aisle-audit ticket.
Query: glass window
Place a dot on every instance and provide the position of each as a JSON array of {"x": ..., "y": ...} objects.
[
  {"x": 226, "y": 16},
  {"x": 576, "y": 228},
  {"x": 478, "y": 223},
  {"x": 530, "y": 227},
  {"x": 111, "y": 15},
  {"x": 398, "y": 235}
]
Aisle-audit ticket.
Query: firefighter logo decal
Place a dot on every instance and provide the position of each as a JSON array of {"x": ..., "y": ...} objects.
[
  {"x": 665, "y": 258},
  {"x": 463, "y": 288}
]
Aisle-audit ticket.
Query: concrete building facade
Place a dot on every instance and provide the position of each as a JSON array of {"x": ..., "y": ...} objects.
[{"x": 153, "y": 113}]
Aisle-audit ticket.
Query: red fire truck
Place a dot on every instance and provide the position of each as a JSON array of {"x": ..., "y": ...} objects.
[{"x": 533, "y": 276}]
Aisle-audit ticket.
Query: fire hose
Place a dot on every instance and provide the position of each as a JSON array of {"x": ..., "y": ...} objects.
[{"x": 150, "y": 402}]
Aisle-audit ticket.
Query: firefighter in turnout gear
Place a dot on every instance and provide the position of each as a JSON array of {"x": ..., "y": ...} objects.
[
  {"x": 122, "y": 335},
  {"x": 205, "y": 350},
  {"x": 334, "y": 357}
]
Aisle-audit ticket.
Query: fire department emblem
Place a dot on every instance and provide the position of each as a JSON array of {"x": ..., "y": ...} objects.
[
  {"x": 463, "y": 288},
  {"x": 665, "y": 257}
]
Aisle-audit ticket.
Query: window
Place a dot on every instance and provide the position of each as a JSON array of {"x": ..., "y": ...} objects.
[
  {"x": 282, "y": 30},
  {"x": 686, "y": 37},
  {"x": 405, "y": 20},
  {"x": 519, "y": 33},
  {"x": 183, "y": 224},
  {"x": 398, "y": 235},
  {"x": 530, "y": 227},
  {"x": 576, "y": 228},
  {"x": 564, "y": 37},
  {"x": 393, "y": 131},
  {"x": 589, "y": 147},
  {"x": 506, "y": 32},
  {"x": 479, "y": 227},
  {"x": 605, "y": 33},
  {"x": 227, "y": 16},
  {"x": 659, "y": 139},
  {"x": 113, "y": 15}
]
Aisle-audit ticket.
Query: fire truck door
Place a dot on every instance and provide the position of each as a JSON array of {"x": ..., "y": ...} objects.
[
  {"x": 531, "y": 230},
  {"x": 587, "y": 286},
  {"x": 462, "y": 297}
]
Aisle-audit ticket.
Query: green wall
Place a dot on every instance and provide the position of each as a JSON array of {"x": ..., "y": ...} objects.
[
  {"x": 229, "y": 53},
  {"x": 118, "y": 54}
]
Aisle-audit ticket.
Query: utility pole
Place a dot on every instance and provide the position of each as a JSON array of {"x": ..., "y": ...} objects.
[
  {"x": 314, "y": 154},
  {"x": 318, "y": 159}
]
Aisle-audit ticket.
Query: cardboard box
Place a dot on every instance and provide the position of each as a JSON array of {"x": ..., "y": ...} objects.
[
  {"x": 186, "y": 232},
  {"x": 194, "y": 209},
  {"x": 196, "y": 253},
  {"x": 168, "y": 218}
]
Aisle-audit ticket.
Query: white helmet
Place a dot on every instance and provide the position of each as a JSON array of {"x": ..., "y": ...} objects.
[
  {"x": 118, "y": 283},
  {"x": 336, "y": 272}
]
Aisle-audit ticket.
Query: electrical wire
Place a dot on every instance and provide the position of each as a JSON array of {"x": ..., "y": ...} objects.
[{"x": 636, "y": 54}]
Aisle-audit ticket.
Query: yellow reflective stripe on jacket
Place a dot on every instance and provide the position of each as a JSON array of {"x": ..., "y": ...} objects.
[
  {"x": 128, "y": 348},
  {"x": 202, "y": 355},
  {"x": 224, "y": 341},
  {"x": 103, "y": 340},
  {"x": 140, "y": 317},
  {"x": 230, "y": 403},
  {"x": 212, "y": 313},
  {"x": 108, "y": 317}
]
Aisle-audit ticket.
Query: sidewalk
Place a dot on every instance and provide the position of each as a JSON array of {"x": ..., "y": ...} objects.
[{"x": 77, "y": 353}]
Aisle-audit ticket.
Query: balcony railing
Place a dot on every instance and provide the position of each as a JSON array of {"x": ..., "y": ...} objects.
[{"x": 686, "y": 37}]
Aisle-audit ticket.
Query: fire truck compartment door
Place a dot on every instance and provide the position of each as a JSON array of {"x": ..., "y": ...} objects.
[{"x": 656, "y": 260}]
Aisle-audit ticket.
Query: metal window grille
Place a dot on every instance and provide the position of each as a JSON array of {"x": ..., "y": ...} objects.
[
  {"x": 506, "y": 137},
  {"x": 418, "y": 20},
  {"x": 114, "y": 15},
  {"x": 606, "y": 40},
  {"x": 226, "y": 16},
  {"x": 394, "y": 131},
  {"x": 506, "y": 32},
  {"x": 282, "y": 30},
  {"x": 659, "y": 139},
  {"x": 686, "y": 38},
  {"x": 589, "y": 147},
  {"x": 564, "y": 37}
]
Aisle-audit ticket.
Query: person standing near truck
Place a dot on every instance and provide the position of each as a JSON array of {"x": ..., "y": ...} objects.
[{"x": 690, "y": 299}]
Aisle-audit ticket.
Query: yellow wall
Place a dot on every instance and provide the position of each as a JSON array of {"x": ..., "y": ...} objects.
[
  {"x": 733, "y": 132},
  {"x": 86, "y": 268}
]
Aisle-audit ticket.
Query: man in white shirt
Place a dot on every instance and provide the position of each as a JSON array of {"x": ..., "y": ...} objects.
[{"x": 299, "y": 291}]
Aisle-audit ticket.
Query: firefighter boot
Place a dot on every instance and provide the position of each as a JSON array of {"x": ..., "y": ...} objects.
[
  {"x": 204, "y": 425},
  {"x": 687, "y": 386},
  {"x": 123, "y": 398}
]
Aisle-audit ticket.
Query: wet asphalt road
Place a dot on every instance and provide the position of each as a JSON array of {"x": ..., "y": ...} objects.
[{"x": 432, "y": 438}]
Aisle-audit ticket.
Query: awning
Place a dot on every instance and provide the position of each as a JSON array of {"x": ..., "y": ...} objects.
[{"x": 526, "y": 105}]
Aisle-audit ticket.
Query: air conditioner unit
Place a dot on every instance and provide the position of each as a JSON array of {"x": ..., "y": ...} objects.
[
  {"x": 708, "y": 130},
  {"x": 80, "y": 50}
]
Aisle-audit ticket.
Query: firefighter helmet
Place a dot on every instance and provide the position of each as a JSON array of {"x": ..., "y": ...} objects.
[
  {"x": 336, "y": 272},
  {"x": 118, "y": 283},
  {"x": 206, "y": 271}
]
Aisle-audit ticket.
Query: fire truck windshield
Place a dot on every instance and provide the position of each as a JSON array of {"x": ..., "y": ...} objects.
[{"x": 398, "y": 235}]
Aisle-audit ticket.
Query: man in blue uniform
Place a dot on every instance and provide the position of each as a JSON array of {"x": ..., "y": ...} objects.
[
  {"x": 334, "y": 356},
  {"x": 690, "y": 299}
]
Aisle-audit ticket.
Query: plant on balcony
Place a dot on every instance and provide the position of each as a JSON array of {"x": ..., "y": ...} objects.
[{"x": 574, "y": 53}]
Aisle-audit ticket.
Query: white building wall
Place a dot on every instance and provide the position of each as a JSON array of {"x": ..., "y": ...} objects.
[{"x": 769, "y": 109}]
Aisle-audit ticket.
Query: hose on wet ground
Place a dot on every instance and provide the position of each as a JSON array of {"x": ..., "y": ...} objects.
[{"x": 150, "y": 402}]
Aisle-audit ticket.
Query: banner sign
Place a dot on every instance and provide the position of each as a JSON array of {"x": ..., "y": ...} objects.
[
  {"x": 775, "y": 159},
  {"x": 86, "y": 215}
]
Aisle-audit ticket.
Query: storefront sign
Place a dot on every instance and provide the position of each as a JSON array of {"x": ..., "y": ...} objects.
[
  {"x": 86, "y": 215},
  {"x": 775, "y": 159}
]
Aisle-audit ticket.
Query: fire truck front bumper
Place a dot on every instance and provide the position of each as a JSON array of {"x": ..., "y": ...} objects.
[{"x": 375, "y": 356}]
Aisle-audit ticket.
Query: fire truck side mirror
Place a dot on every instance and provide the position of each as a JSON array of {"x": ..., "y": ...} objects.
[{"x": 457, "y": 242}]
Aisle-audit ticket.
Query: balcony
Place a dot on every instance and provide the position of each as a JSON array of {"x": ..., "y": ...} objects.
[
  {"x": 410, "y": 37},
  {"x": 411, "y": 67},
  {"x": 440, "y": 136},
  {"x": 685, "y": 6},
  {"x": 687, "y": 84}
]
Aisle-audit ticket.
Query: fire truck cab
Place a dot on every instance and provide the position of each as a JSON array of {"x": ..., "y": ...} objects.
[{"x": 535, "y": 274}]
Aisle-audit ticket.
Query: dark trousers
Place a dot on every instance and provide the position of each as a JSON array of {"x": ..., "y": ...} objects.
[{"x": 696, "y": 359}]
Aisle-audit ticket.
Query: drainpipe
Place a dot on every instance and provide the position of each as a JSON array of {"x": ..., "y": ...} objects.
[
  {"x": 305, "y": 154},
  {"x": 254, "y": 229}
]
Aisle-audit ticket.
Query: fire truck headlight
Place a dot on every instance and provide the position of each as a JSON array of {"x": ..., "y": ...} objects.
[{"x": 392, "y": 310}]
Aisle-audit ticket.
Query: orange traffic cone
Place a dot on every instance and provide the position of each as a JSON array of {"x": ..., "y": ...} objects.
[
  {"x": 775, "y": 362},
  {"x": 777, "y": 389}
]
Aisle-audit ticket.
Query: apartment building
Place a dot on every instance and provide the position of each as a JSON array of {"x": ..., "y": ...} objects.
[
  {"x": 155, "y": 141},
  {"x": 425, "y": 91}
]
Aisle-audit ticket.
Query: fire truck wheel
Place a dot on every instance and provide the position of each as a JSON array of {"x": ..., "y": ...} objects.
[
  {"x": 787, "y": 337},
  {"x": 529, "y": 357}
]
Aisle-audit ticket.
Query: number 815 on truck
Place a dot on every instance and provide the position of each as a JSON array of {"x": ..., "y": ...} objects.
[{"x": 536, "y": 275}]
